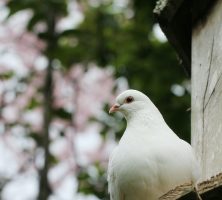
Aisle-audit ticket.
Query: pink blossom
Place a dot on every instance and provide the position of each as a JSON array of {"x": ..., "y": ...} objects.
[{"x": 10, "y": 114}]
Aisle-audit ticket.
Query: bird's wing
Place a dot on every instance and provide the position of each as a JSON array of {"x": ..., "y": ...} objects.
[
  {"x": 191, "y": 159},
  {"x": 177, "y": 163},
  {"x": 113, "y": 189}
]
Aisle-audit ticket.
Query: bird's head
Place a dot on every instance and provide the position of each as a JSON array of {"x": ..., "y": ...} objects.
[{"x": 129, "y": 102}]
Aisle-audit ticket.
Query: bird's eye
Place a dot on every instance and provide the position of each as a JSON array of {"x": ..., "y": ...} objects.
[{"x": 129, "y": 99}]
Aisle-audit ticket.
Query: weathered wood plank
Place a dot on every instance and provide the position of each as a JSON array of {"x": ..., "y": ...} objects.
[
  {"x": 206, "y": 97},
  {"x": 180, "y": 192},
  {"x": 211, "y": 188},
  {"x": 208, "y": 190}
]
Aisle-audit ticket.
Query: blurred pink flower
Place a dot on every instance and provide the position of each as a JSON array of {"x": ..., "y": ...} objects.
[
  {"x": 81, "y": 91},
  {"x": 34, "y": 118},
  {"x": 18, "y": 41},
  {"x": 10, "y": 114}
]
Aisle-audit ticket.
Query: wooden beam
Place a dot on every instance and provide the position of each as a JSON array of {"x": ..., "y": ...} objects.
[
  {"x": 209, "y": 190},
  {"x": 174, "y": 18},
  {"x": 182, "y": 192}
]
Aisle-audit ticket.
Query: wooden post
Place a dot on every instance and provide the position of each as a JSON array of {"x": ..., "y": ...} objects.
[
  {"x": 207, "y": 91},
  {"x": 206, "y": 64}
]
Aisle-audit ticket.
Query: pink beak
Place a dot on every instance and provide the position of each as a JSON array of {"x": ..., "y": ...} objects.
[{"x": 114, "y": 108}]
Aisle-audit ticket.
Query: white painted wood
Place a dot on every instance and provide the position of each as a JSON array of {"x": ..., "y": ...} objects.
[{"x": 207, "y": 92}]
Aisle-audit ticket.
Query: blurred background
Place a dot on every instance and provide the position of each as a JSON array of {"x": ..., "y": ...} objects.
[{"x": 62, "y": 62}]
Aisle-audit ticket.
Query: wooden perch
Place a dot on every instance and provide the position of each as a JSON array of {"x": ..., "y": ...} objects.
[
  {"x": 208, "y": 190},
  {"x": 181, "y": 192},
  {"x": 212, "y": 188}
]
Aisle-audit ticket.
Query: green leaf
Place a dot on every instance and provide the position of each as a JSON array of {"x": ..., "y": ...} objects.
[
  {"x": 37, "y": 138},
  {"x": 33, "y": 103},
  {"x": 6, "y": 75},
  {"x": 62, "y": 113}
]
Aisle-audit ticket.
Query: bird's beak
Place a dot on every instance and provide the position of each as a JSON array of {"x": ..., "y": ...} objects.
[{"x": 114, "y": 108}]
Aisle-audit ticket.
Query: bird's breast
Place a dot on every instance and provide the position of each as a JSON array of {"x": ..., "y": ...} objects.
[
  {"x": 148, "y": 166},
  {"x": 134, "y": 159},
  {"x": 135, "y": 173}
]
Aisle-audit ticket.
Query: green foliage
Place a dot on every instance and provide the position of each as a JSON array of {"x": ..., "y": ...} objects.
[
  {"x": 33, "y": 104},
  {"x": 6, "y": 75},
  {"x": 37, "y": 138},
  {"x": 61, "y": 113},
  {"x": 40, "y": 10},
  {"x": 96, "y": 185}
]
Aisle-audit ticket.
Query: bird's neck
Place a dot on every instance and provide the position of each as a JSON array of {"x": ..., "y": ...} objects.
[{"x": 144, "y": 118}]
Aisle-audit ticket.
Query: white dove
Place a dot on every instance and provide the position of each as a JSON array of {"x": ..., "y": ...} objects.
[{"x": 150, "y": 158}]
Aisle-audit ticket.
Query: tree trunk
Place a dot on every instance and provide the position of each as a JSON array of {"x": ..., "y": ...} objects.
[{"x": 44, "y": 188}]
